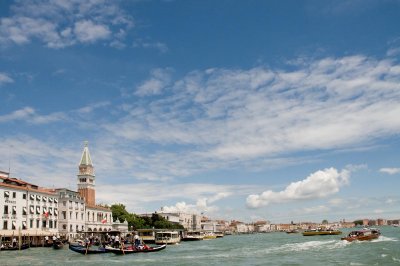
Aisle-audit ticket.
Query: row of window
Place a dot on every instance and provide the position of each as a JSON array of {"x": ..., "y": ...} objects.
[
  {"x": 64, "y": 215},
  {"x": 64, "y": 227},
  {"x": 32, "y": 210},
  {"x": 7, "y": 194},
  {"x": 45, "y": 224}
]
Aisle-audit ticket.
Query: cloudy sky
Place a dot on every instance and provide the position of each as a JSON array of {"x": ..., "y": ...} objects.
[{"x": 278, "y": 110}]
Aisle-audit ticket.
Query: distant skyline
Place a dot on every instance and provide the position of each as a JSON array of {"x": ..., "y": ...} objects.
[{"x": 275, "y": 110}]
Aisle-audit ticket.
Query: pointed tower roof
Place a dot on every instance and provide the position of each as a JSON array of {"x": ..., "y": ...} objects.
[{"x": 86, "y": 160}]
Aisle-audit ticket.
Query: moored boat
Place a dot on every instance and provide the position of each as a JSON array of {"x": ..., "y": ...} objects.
[
  {"x": 167, "y": 237},
  {"x": 58, "y": 244},
  {"x": 362, "y": 235},
  {"x": 134, "y": 249},
  {"x": 87, "y": 250},
  {"x": 193, "y": 236},
  {"x": 12, "y": 248},
  {"x": 209, "y": 235},
  {"x": 147, "y": 235}
]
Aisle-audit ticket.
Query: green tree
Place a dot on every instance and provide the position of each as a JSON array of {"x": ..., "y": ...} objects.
[
  {"x": 358, "y": 222},
  {"x": 119, "y": 212}
]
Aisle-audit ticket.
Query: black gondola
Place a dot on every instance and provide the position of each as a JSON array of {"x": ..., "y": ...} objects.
[
  {"x": 84, "y": 250},
  {"x": 129, "y": 250},
  {"x": 58, "y": 244},
  {"x": 7, "y": 248}
]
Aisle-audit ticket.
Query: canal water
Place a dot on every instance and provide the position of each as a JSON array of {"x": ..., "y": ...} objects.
[{"x": 253, "y": 249}]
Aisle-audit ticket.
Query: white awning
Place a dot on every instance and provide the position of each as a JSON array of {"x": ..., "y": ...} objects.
[
  {"x": 51, "y": 211},
  {"x": 38, "y": 197},
  {"x": 32, "y": 197},
  {"x": 55, "y": 212},
  {"x": 15, "y": 208},
  {"x": 14, "y": 223},
  {"x": 6, "y": 193},
  {"x": 32, "y": 209},
  {"x": 45, "y": 199},
  {"x": 37, "y": 210},
  {"x": 24, "y": 223},
  {"x": 24, "y": 208},
  {"x": 50, "y": 199},
  {"x": 56, "y": 200},
  {"x": 44, "y": 210}
]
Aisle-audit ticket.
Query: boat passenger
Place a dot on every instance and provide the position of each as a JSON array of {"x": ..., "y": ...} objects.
[
  {"x": 137, "y": 240},
  {"x": 116, "y": 243},
  {"x": 46, "y": 239},
  {"x": 14, "y": 242}
]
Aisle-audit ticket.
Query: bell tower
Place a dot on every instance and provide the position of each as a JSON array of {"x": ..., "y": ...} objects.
[{"x": 86, "y": 178}]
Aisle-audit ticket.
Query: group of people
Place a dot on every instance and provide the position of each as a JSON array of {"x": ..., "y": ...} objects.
[{"x": 114, "y": 241}]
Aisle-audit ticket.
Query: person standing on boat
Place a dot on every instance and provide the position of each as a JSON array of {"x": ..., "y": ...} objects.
[
  {"x": 14, "y": 242},
  {"x": 137, "y": 240},
  {"x": 116, "y": 244},
  {"x": 46, "y": 239}
]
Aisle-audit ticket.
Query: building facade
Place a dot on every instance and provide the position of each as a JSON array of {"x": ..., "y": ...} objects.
[
  {"x": 27, "y": 208},
  {"x": 71, "y": 209}
]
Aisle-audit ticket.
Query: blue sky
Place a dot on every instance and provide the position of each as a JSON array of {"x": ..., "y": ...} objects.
[{"x": 248, "y": 110}]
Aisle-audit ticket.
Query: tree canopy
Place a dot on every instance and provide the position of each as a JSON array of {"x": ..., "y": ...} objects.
[{"x": 120, "y": 213}]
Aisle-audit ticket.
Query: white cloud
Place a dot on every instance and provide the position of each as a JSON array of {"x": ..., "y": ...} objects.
[
  {"x": 160, "y": 78},
  {"x": 59, "y": 24},
  {"x": 162, "y": 47},
  {"x": 87, "y": 31},
  {"x": 202, "y": 205},
  {"x": 29, "y": 115},
  {"x": 390, "y": 171},
  {"x": 320, "y": 184},
  {"x": 5, "y": 78}
]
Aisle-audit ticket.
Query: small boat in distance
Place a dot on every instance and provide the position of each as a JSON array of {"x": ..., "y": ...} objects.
[
  {"x": 321, "y": 232},
  {"x": 294, "y": 231},
  {"x": 193, "y": 236},
  {"x": 362, "y": 235}
]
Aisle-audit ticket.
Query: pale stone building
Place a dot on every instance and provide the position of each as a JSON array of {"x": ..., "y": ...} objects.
[{"x": 27, "y": 208}]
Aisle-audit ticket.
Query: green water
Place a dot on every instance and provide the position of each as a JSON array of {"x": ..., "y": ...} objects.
[{"x": 254, "y": 249}]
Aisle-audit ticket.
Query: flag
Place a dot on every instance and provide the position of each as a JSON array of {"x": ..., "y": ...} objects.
[
  {"x": 46, "y": 214},
  {"x": 104, "y": 221}
]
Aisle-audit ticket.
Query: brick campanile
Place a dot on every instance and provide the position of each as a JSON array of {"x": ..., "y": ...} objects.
[{"x": 86, "y": 178}]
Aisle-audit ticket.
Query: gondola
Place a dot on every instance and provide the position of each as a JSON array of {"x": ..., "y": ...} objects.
[
  {"x": 58, "y": 244},
  {"x": 84, "y": 250},
  {"x": 6, "y": 248},
  {"x": 133, "y": 249}
]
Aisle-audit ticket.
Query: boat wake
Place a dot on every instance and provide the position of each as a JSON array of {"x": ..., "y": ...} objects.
[
  {"x": 385, "y": 239},
  {"x": 315, "y": 245}
]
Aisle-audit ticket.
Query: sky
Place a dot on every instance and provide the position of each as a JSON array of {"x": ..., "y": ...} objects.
[{"x": 247, "y": 110}]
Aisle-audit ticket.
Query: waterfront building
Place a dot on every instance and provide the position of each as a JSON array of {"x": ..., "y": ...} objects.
[
  {"x": 189, "y": 221},
  {"x": 98, "y": 218},
  {"x": 27, "y": 208},
  {"x": 121, "y": 227},
  {"x": 71, "y": 209}
]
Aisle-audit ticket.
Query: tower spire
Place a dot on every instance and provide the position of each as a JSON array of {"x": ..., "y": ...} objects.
[{"x": 86, "y": 177}]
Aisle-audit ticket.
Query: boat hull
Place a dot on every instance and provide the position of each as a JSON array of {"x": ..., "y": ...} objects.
[
  {"x": 84, "y": 251},
  {"x": 135, "y": 250},
  {"x": 23, "y": 246}
]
